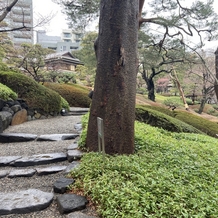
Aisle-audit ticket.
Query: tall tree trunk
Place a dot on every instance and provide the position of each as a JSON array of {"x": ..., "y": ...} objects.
[
  {"x": 216, "y": 82},
  {"x": 150, "y": 83},
  {"x": 204, "y": 98},
  {"x": 115, "y": 83},
  {"x": 150, "y": 87}
]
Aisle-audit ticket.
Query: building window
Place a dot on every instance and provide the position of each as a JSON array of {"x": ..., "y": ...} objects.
[{"x": 67, "y": 35}]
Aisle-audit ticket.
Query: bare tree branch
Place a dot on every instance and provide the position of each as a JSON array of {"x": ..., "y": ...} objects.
[{"x": 7, "y": 10}]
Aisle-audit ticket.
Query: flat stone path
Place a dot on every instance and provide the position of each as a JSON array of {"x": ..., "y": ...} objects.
[{"x": 24, "y": 168}]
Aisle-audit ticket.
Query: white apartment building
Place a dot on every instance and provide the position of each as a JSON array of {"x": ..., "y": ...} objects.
[
  {"x": 20, "y": 15},
  {"x": 68, "y": 41}
]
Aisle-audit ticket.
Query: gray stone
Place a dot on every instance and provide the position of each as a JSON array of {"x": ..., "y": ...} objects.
[
  {"x": 78, "y": 127},
  {"x": 72, "y": 166},
  {"x": 6, "y": 118},
  {"x": 50, "y": 170},
  {"x": 2, "y": 104},
  {"x": 16, "y": 137},
  {"x": 74, "y": 155},
  {"x": 3, "y": 173},
  {"x": 60, "y": 186},
  {"x": 72, "y": 146},
  {"x": 16, "y": 108},
  {"x": 8, "y": 109},
  {"x": 6, "y": 160},
  {"x": 79, "y": 215},
  {"x": 70, "y": 202},
  {"x": 56, "y": 137},
  {"x": 40, "y": 159},
  {"x": 21, "y": 173},
  {"x": 1, "y": 125},
  {"x": 24, "y": 201}
]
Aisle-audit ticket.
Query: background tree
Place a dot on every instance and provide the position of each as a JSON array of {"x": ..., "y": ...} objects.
[
  {"x": 116, "y": 55},
  {"x": 87, "y": 55},
  {"x": 30, "y": 59}
]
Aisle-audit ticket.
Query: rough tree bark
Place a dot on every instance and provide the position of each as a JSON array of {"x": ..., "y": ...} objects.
[
  {"x": 115, "y": 83},
  {"x": 150, "y": 83},
  {"x": 216, "y": 83}
]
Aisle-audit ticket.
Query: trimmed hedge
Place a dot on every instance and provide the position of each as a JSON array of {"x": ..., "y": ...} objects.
[
  {"x": 75, "y": 95},
  {"x": 203, "y": 125},
  {"x": 158, "y": 119},
  {"x": 36, "y": 96}
]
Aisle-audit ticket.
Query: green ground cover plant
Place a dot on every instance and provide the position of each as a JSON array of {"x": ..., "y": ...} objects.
[{"x": 170, "y": 175}]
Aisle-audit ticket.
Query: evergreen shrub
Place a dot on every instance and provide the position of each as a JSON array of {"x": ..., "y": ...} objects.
[
  {"x": 37, "y": 96},
  {"x": 75, "y": 95}
]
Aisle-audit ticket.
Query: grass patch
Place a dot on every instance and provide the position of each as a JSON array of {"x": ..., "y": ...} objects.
[{"x": 171, "y": 175}]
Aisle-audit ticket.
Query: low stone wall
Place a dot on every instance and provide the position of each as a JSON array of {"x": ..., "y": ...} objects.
[{"x": 16, "y": 112}]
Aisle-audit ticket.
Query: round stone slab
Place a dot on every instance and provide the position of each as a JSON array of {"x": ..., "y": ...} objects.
[{"x": 24, "y": 201}]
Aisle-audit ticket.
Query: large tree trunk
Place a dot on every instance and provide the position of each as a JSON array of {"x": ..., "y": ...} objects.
[
  {"x": 115, "y": 83},
  {"x": 216, "y": 82}
]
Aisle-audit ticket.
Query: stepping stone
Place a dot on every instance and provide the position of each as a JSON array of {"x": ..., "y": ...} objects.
[
  {"x": 72, "y": 146},
  {"x": 70, "y": 202},
  {"x": 74, "y": 155},
  {"x": 78, "y": 127},
  {"x": 40, "y": 159},
  {"x": 3, "y": 173},
  {"x": 72, "y": 166},
  {"x": 79, "y": 215},
  {"x": 6, "y": 160},
  {"x": 60, "y": 186},
  {"x": 56, "y": 137},
  {"x": 16, "y": 137},
  {"x": 50, "y": 170},
  {"x": 26, "y": 201},
  {"x": 21, "y": 173}
]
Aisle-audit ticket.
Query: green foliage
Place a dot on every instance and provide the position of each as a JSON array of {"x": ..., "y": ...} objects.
[
  {"x": 155, "y": 118},
  {"x": 36, "y": 96},
  {"x": 66, "y": 77},
  {"x": 172, "y": 175},
  {"x": 65, "y": 104},
  {"x": 206, "y": 126},
  {"x": 203, "y": 125},
  {"x": 75, "y": 95},
  {"x": 6, "y": 93},
  {"x": 82, "y": 140},
  {"x": 30, "y": 58},
  {"x": 173, "y": 102}
]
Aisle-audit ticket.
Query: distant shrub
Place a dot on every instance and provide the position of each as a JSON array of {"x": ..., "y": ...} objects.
[
  {"x": 158, "y": 119},
  {"x": 173, "y": 102},
  {"x": 204, "y": 125},
  {"x": 6, "y": 93},
  {"x": 36, "y": 96},
  {"x": 76, "y": 96}
]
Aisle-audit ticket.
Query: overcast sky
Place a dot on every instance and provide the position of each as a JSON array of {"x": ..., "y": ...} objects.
[{"x": 44, "y": 7}]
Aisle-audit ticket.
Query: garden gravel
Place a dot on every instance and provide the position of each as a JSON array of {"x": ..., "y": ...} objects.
[{"x": 56, "y": 125}]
